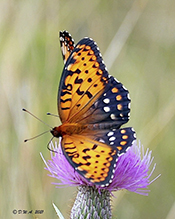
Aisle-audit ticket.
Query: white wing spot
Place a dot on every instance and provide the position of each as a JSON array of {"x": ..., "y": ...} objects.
[
  {"x": 110, "y": 134},
  {"x": 106, "y": 109},
  {"x": 106, "y": 100},
  {"x": 112, "y": 138},
  {"x": 132, "y": 129},
  {"x": 129, "y": 105},
  {"x": 113, "y": 117},
  {"x": 128, "y": 96}
]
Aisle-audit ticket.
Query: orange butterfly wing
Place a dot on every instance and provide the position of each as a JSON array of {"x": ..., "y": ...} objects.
[
  {"x": 83, "y": 80},
  {"x": 90, "y": 155},
  {"x": 89, "y": 158}
]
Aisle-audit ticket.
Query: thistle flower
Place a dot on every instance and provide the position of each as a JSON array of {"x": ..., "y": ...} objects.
[{"x": 131, "y": 173}]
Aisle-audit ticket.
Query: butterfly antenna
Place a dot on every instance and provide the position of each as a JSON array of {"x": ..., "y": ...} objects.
[
  {"x": 50, "y": 114},
  {"x": 49, "y": 147},
  {"x": 36, "y": 117},
  {"x": 36, "y": 136}
]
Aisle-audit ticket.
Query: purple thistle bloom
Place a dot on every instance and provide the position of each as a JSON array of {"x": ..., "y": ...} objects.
[{"x": 131, "y": 173}]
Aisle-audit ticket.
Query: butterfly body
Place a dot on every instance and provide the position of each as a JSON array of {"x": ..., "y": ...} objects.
[
  {"x": 92, "y": 106},
  {"x": 67, "y": 129}
]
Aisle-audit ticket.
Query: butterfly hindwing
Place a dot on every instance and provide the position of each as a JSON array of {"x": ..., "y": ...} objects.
[
  {"x": 90, "y": 159},
  {"x": 94, "y": 157}
]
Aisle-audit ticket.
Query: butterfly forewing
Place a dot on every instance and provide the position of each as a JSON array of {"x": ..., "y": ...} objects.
[{"x": 83, "y": 80}]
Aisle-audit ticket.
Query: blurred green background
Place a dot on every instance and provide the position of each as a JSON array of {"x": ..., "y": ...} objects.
[{"x": 142, "y": 57}]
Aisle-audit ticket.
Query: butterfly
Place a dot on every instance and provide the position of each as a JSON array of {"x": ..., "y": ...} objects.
[{"x": 92, "y": 106}]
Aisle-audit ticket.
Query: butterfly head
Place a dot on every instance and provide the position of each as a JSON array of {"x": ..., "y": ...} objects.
[{"x": 56, "y": 132}]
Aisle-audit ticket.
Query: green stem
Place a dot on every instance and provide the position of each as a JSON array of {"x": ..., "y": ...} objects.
[{"x": 89, "y": 203}]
